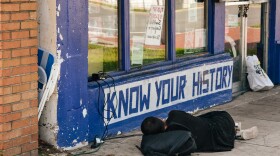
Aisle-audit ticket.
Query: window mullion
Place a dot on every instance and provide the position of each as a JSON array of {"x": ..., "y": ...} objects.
[
  {"x": 124, "y": 35},
  {"x": 170, "y": 11}
]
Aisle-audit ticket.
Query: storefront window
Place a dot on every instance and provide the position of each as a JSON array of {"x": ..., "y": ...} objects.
[
  {"x": 103, "y": 36},
  {"x": 147, "y": 32},
  {"x": 232, "y": 39},
  {"x": 190, "y": 27},
  {"x": 255, "y": 44}
]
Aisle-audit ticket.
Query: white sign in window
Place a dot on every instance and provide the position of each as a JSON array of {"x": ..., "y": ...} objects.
[{"x": 154, "y": 26}]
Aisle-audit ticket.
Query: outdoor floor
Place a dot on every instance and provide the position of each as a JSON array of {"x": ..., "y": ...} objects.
[{"x": 261, "y": 109}]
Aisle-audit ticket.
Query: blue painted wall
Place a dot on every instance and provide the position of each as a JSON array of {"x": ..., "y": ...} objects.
[
  {"x": 72, "y": 32},
  {"x": 96, "y": 96},
  {"x": 273, "y": 47},
  {"x": 78, "y": 118},
  {"x": 216, "y": 27}
]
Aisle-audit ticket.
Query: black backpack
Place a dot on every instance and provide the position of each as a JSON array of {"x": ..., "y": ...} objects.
[{"x": 178, "y": 142}]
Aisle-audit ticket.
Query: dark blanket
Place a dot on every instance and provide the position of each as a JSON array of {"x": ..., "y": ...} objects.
[
  {"x": 213, "y": 131},
  {"x": 168, "y": 144}
]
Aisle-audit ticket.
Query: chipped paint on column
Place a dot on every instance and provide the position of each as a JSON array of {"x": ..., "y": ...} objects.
[
  {"x": 47, "y": 41},
  {"x": 72, "y": 40}
]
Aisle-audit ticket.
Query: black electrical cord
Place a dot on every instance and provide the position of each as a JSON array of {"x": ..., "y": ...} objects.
[
  {"x": 100, "y": 88},
  {"x": 112, "y": 115}
]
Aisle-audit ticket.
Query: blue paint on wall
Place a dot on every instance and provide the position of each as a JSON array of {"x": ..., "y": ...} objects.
[
  {"x": 219, "y": 32},
  {"x": 273, "y": 51},
  {"x": 96, "y": 97},
  {"x": 72, "y": 32},
  {"x": 216, "y": 27},
  {"x": 277, "y": 18},
  {"x": 124, "y": 38},
  {"x": 189, "y": 106},
  {"x": 171, "y": 30}
]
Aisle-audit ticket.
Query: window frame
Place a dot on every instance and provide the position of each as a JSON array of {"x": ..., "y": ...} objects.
[{"x": 124, "y": 36}]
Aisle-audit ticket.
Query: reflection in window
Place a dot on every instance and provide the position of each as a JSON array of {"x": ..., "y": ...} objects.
[
  {"x": 232, "y": 39},
  {"x": 190, "y": 27},
  {"x": 255, "y": 44},
  {"x": 147, "y": 32},
  {"x": 103, "y": 36}
]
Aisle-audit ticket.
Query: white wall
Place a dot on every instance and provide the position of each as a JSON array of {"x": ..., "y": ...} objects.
[{"x": 47, "y": 41}]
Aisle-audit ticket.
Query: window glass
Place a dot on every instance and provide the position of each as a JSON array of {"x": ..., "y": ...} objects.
[
  {"x": 103, "y": 36},
  {"x": 190, "y": 27},
  {"x": 255, "y": 37},
  {"x": 147, "y": 32},
  {"x": 232, "y": 39}
]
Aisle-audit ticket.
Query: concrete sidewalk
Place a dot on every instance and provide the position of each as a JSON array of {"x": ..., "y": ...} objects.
[{"x": 261, "y": 109}]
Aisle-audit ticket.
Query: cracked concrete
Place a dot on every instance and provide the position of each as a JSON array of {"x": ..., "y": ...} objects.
[{"x": 261, "y": 109}]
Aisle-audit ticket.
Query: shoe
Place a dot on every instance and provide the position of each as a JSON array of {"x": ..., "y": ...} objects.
[
  {"x": 250, "y": 133},
  {"x": 238, "y": 127}
]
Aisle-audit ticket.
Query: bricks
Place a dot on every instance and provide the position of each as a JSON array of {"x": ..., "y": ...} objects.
[
  {"x": 20, "y": 123},
  {"x": 30, "y": 112},
  {"x": 10, "y": 81},
  {"x": 34, "y": 137},
  {"x": 5, "y": 109},
  {"x": 4, "y": 127},
  {"x": 29, "y": 42},
  {"x": 20, "y": 16},
  {"x": 29, "y": 95},
  {"x": 4, "y": 17},
  {"x": 29, "y": 130},
  {"x": 29, "y": 147},
  {"x": 10, "y": 117},
  {"x": 33, "y": 33},
  {"x": 5, "y": 73},
  {"x": 33, "y": 51},
  {"x": 5, "y": 36},
  {"x": 12, "y": 151},
  {"x": 29, "y": 24},
  {"x": 28, "y": 6},
  {"x": 33, "y": 15},
  {"x": 29, "y": 60},
  {"x": 10, "y": 98},
  {"x": 9, "y": 7},
  {"x": 20, "y": 34},
  {"x": 9, "y": 26},
  {"x": 5, "y": 54},
  {"x": 21, "y": 140},
  {"x": 21, "y": 52},
  {"x": 34, "y": 103},
  {"x": 21, "y": 88},
  {"x": 5, "y": 90},
  {"x": 10, "y": 63},
  {"x": 18, "y": 78},
  {"x": 20, "y": 106},
  {"x": 9, "y": 44},
  {"x": 24, "y": 69},
  {"x": 30, "y": 78}
]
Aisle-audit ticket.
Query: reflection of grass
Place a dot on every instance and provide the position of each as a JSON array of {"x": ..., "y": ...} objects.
[
  {"x": 181, "y": 52},
  {"x": 105, "y": 58},
  {"x": 140, "y": 10},
  {"x": 104, "y": 4},
  {"x": 151, "y": 56},
  {"x": 255, "y": 26},
  {"x": 102, "y": 58}
]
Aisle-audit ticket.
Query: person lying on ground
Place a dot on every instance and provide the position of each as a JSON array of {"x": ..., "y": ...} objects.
[{"x": 213, "y": 131}]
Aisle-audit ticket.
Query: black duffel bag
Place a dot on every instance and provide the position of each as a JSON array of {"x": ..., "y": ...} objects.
[{"x": 170, "y": 143}]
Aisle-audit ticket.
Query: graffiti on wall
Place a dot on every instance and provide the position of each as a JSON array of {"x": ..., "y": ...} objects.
[{"x": 140, "y": 97}]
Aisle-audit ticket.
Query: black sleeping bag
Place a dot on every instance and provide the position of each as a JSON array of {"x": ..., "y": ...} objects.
[{"x": 168, "y": 144}]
